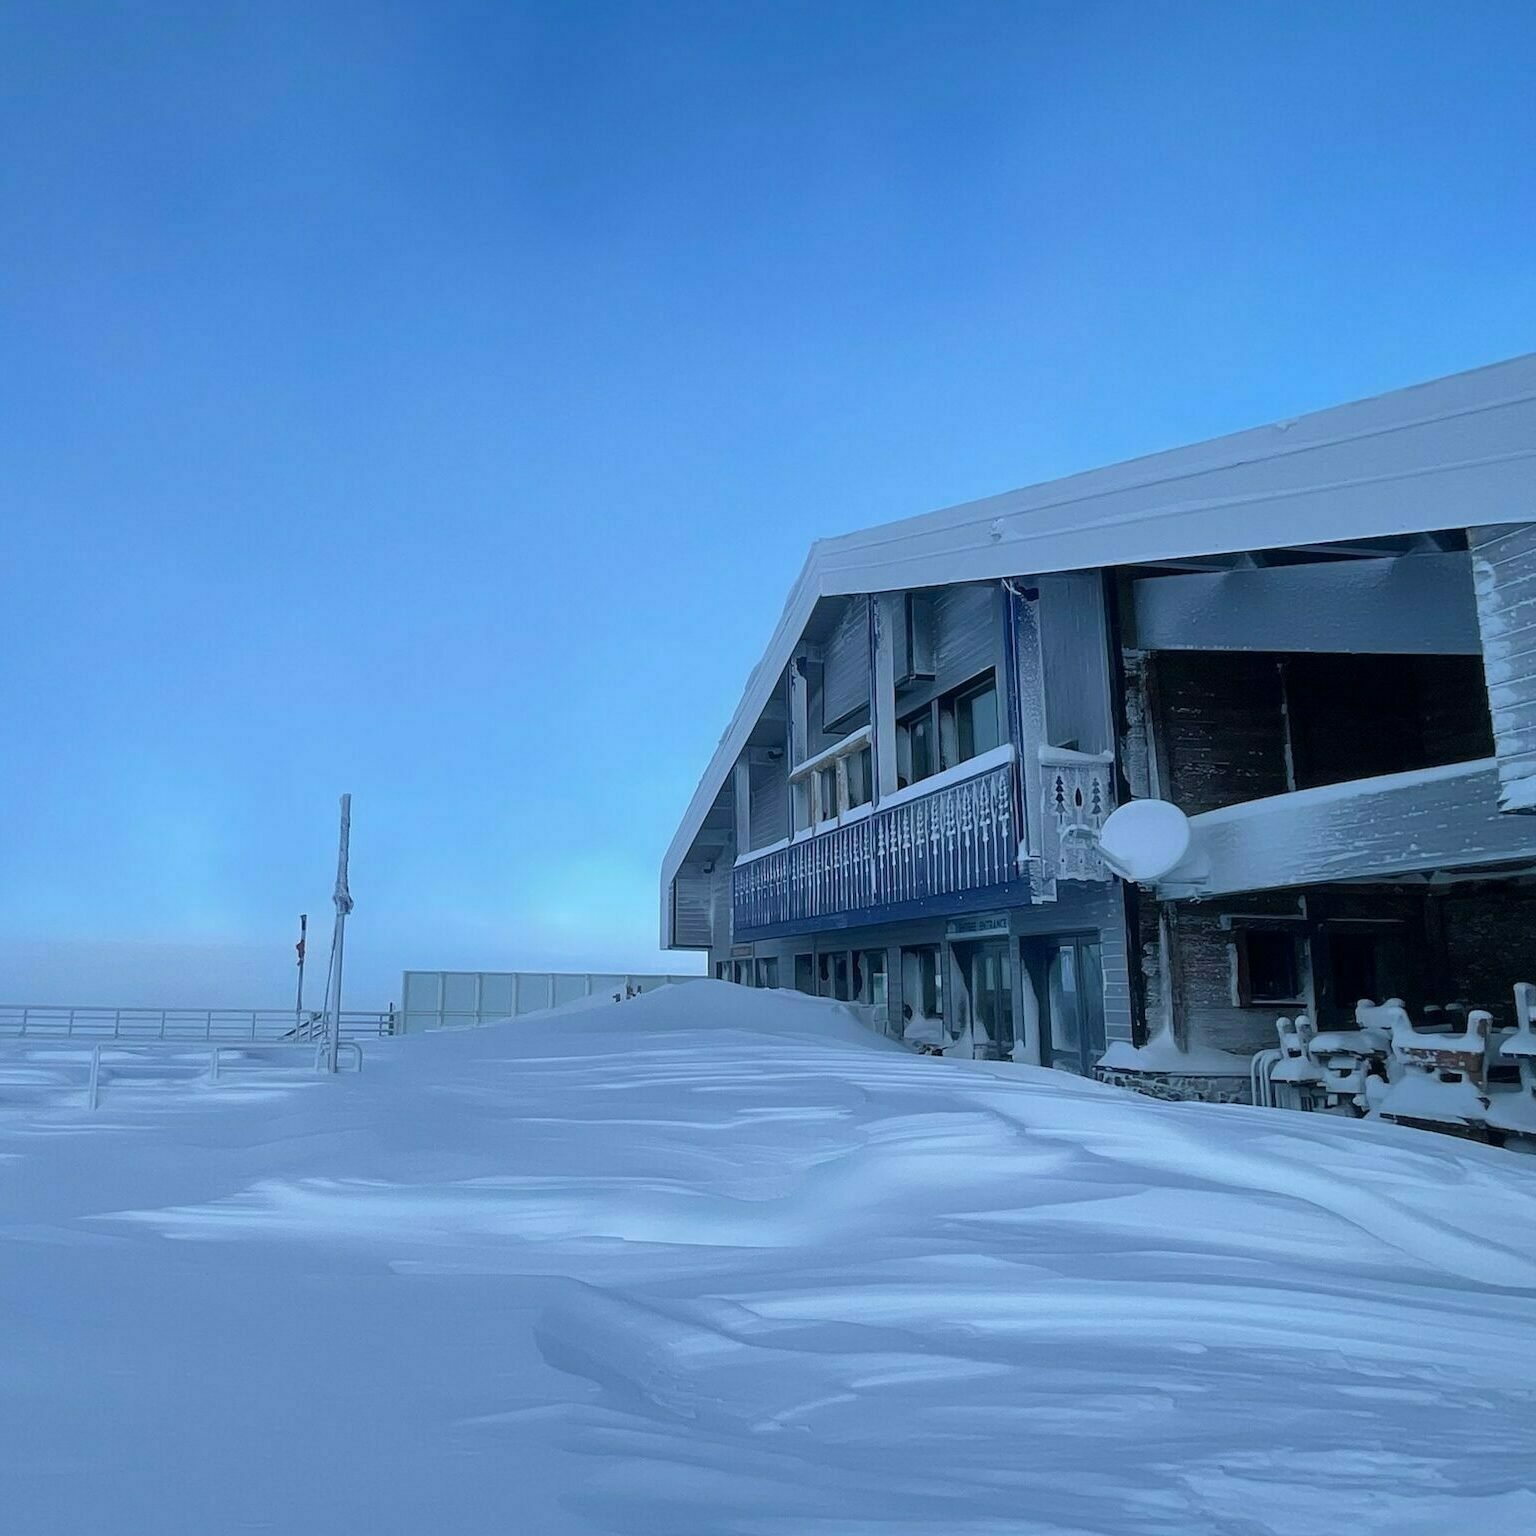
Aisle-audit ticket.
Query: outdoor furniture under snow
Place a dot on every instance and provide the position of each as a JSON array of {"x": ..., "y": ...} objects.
[
  {"x": 1437, "y": 1078},
  {"x": 1346, "y": 1057},
  {"x": 1296, "y": 1078},
  {"x": 1515, "y": 1109}
]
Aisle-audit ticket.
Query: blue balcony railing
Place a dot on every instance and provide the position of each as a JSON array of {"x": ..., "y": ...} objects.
[{"x": 960, "y": 837}]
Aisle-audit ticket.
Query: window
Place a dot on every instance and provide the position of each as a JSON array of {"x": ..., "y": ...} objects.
[
  {"x": 837, "y": 781},
  {"x": 768, "y": 972},
  {"x": 869, "y": 985},
  {"x": 805, "y": 974},
  {"x": 869, "y": 976},
  {"x": 860, "y": 772},
  {"x": 840, "y": 982},
  {"x": 826, "y": 788},
  {"x": 832, "y": 974},
  {"x": 722, "y": 970},
  {"x": 914, "y": 748},
  {"x": 922, "y": 988},
  {"x": 743, "y": 972},
  {"x": 976, "y": 728},
  {"x": 800, "y": 797},
  {"x": 1269, "y": 966},
  {"x": 950, "y": 730}
]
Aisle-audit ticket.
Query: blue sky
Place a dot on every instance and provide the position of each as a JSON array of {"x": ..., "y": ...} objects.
[{"x": 436, "y": 400}]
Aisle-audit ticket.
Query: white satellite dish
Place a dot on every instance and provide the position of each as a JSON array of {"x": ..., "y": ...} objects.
[{"x": 1144, "y": 839}]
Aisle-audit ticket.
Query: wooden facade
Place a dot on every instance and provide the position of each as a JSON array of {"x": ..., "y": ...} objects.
[{"x": 1299, "y": 636}]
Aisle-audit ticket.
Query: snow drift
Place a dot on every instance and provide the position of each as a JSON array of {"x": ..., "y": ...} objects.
[{"x": 716, "y": 1261}]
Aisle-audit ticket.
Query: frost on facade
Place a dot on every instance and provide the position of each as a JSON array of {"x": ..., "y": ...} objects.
[{"x": 1317, "y": 639}]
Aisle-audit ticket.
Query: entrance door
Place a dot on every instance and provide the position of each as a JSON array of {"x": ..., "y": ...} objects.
[
  {"x": 1067, "y": 976},
  {"x": 987, "y": 1013}
]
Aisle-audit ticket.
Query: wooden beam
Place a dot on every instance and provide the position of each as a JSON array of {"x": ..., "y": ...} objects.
[
  {"x": 799, "y": 713},
  {"x": 743, "y": 787},
  {"x": 889, "y": 615},
  {"x": 1419, "y": 605},
  {"x": 1401, "y": 823}
]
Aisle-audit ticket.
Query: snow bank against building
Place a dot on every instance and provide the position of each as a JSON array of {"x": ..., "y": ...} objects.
[{"x": 717, "y": 1262}]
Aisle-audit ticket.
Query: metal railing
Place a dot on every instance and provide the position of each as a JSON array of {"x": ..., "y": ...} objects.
[
  {"x": 222, "y": 1025},
  {"x": 99, "y": 1059}
]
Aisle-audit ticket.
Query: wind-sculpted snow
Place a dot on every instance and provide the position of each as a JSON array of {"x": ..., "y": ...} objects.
[{"x": 721, "y": 1263}]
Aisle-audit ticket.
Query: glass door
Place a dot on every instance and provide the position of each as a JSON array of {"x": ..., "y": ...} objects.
[
  {"x": 1067, "y": 975},
  {"x": 987, "y": 1004}
]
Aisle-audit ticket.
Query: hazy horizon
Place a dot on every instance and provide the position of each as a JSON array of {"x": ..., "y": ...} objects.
[{"x": 435, "y": 402}]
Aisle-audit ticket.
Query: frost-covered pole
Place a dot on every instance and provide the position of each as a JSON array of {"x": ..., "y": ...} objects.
[
  {"x": 343, "y": 899},
  {"x": 298, "y": 1002}
]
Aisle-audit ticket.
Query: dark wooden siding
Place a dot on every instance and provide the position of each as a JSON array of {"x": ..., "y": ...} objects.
[
  {"x": 1221, "y": 728},
  {"x": 845, "y": 678}
]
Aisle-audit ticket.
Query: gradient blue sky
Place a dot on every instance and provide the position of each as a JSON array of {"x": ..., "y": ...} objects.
[{"x": 436, "y": 400}]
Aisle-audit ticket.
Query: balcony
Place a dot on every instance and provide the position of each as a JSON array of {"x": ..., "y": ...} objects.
[{"x": 935, "y": 846}]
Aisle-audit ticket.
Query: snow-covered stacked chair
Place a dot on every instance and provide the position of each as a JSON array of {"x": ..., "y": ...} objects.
[
  {"x": 1515, "y": 1110},
  {"x": 1295, "y": 1079},
  {"x": 1348, "y": 1058},
  {"x": 1438, "y": 1079}
]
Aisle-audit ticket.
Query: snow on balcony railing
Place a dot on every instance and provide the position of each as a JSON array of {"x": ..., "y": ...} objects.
[{"x": 963, "y": 835}]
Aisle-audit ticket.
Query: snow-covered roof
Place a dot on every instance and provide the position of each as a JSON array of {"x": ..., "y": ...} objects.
[{"x": 1455, "y": 452}]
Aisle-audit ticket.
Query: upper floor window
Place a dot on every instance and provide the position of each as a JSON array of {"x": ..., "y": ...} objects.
[
  {"x": 951, "y": 729},
  {"x": 975, "y": 720},
  {"x": 835, "y": 782},
  {"x": 915, "y": 755}
]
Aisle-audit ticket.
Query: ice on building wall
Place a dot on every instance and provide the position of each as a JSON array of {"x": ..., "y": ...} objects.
[{"x": 1504, "y": 574}]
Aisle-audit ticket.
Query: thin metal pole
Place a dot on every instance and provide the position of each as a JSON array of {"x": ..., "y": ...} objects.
[
  {"x": 342, "y": 896},
  {"x": 298, "y": 1006}
]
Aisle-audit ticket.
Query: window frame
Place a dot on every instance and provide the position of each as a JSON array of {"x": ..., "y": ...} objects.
[
  {"x": 824, "y": 776},
  {"x": 941, "y": 714},
  {"x": 1242, "y": 939}
]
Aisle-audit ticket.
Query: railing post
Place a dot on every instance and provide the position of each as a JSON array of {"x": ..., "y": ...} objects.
[
  {"x": 213, "y": 1065},
  {"x": 69, "y": 1026},
  {"x": 93, "y": 1089}
]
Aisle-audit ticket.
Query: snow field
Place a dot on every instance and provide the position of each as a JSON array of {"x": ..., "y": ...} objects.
[{"x": 718, "y": 1261}]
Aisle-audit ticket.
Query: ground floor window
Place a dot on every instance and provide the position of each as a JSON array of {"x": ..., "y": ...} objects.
[
  {"x": 768, "y": 971},
  {"x": 922, "y": 995},
  {"x": 1271, "y": 966},
  {"x": 869, "y": 983},
  {"x": 805, "y": 974}
]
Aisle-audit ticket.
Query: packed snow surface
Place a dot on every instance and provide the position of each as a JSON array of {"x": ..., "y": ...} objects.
[{"x": 716, "y": 1261}]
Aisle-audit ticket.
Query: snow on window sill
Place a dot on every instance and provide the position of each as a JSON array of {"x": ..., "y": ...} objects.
[
  {"x": 971, "y": 768},
  {"x": 854, "y": 742}
]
